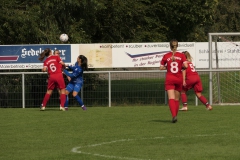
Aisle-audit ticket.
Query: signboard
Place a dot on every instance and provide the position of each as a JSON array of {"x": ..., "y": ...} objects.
[
  {"x": 26, "y": 56},
  {"x": 124, "y": 55},
  {"x": 119, "y": 55}
]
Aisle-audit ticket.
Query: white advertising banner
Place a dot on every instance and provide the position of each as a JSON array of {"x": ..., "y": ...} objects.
[
  {"x": 201, "y": 55},
  {"x": 227, "y": 54},
  {"x": 122, "y": 55},
  {"x": 224, "y": 55}
]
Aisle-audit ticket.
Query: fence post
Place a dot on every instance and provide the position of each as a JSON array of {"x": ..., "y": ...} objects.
[
  {"x": 109, "y": 89},
  {"x": 23, "y": 90}
]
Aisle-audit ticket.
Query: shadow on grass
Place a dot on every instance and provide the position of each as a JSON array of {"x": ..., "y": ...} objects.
[
  {"x": 162, "y": 121},
  {"x": 57, "y": 109}
]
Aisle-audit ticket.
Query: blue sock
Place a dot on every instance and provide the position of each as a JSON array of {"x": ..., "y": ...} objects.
[
  {"x": 79, "y": 100},
  {"x": 66, "y": 102}
]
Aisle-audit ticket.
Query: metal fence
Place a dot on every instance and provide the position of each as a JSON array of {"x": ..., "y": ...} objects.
[{"x": 101, "y": 88}]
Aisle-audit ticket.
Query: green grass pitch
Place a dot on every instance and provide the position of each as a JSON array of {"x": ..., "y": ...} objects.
[{"x": 125, "y": 133}]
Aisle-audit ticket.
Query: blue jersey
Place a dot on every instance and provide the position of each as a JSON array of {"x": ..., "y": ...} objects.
[{"x": 77, "y": 74}]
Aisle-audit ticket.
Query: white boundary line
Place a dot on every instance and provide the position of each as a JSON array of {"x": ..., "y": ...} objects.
[{"x": 77, "y": 149}]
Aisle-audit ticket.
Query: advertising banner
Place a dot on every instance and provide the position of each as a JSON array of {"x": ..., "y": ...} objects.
[
  {"x": 224, "y": 55},
  {"x": 99, "y": 55},
  {"x": 120, "y": 55},
  {"x": 145, "y": 54},
  {"x": 123, "y": 55},
  {"x": 26, "y": 56}
]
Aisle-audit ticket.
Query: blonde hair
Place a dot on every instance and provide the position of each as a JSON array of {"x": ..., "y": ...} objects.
[
  {"x": 188, "y": 56},
  {"x": 172, "y": 46}
]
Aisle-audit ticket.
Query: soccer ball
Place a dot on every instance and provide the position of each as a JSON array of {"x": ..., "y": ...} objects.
[{"x": 63, "y": 37}]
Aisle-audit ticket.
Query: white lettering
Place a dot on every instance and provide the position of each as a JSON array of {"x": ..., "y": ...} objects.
[{"x": 30, "y": 52}]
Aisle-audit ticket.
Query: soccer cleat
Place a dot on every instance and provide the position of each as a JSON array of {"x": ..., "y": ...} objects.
[
  {"x": 84, "y": 107},
  {"x": 183, "y": 109},
  {"x": 66, "y": 108},
  {"x": 174, "y": 120},
  {"x": 62, "y": 108},
  {"x": 209, "y": 108},
  {"x": 42, "y": 108}
]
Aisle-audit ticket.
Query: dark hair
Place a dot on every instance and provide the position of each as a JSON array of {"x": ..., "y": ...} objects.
[
  {"x": 84, "y": 60},
  {"x": 44, "y": 54}
]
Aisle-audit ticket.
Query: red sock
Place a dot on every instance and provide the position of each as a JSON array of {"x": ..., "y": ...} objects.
[
  {"x": 45, "y": 99},
  {"x": 184, "y": 99},
  {"x": 172, "y": 107},
  {"x": 177, "y": 106},
  {"x": 204, "y": 101},
  {"x": 62, "y": 99}
]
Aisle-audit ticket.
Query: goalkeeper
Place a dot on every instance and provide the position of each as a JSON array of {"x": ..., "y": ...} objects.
[
  {"x": 76, "y": 82},
  {"x": 192, "y": 80}
]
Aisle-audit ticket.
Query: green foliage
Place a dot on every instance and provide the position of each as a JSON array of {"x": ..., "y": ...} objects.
[
  {"x": 227, "y": 16},
  {"x": 183, "y": 17},
  {"x": 40, "y": 22},
  {"x": 117, "y": 21}
]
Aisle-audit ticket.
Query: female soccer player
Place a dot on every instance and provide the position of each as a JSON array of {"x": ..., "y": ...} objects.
[
  {"x": 174, "y": 62},
  {"x": 76, "y": 82},
  {"x": 55, "y": 77},
  {"x": 57, "y": 53},
  {"x": 192, "y": 80}
]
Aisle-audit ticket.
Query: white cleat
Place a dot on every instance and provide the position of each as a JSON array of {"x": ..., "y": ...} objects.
[
  {"x": 62, "y": 108},
  {"x": 183, "y": 109}
]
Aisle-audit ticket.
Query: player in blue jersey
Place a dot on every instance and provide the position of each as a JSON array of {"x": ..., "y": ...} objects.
[{"x": 76, "y": 82}]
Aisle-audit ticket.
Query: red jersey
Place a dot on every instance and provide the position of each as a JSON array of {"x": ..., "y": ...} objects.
[
  {"x": 61, "y": 66},
  {"x": 174, "y": 77},
  {"x": 52, "y": 64},
  {"x": 173, "y": 67},
  {"x": 192, "y": 79},
  {"x": 190, "y": 70}
]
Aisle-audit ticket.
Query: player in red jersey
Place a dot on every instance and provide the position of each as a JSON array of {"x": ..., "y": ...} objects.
[
  {"x": 174, "y": 62},
  {"x": 57, "y": 53},
  {"x": 192, "y": 80},
  {"x": 51, "y": 65}
]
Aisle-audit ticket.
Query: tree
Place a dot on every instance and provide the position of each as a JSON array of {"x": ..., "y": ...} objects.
[
  {"x": 184, "y": 17},
  {"x": 128, "y": 21},
  {"x": 227, "y": 17},
  {"x": 152, "y": 21},
  {"x": 116, "y": 21},
  {"x": 41, "y": 22}
]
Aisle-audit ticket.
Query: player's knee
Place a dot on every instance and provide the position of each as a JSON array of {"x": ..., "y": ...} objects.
[
  {"x": 198, "y": 94},
  {"x": 74, "y": 94}
]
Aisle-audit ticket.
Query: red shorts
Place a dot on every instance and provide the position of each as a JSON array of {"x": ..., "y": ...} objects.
[
  {"x": 193, "y": 82},
  {"x": 56, "y": 81},
  {"x": 173, "y": 82}
]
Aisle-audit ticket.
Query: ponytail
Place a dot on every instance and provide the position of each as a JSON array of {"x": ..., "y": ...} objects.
[{"x": 44, "y": 54}]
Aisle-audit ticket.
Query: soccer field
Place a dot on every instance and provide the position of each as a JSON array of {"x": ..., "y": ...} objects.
[{"x": 125, "y": 133}]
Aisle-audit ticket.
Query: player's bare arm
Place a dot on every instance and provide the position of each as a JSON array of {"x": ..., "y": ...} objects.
[
  {"x": 61, "y": 62},
  {"x": 184, "y": 77},
  {"x": 162, "y": 67},
  {"x": 185, "y": 65},
  {"x": 44, "y": 69}
]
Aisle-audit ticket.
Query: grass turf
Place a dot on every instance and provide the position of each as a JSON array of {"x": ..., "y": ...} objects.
[{"x": 127, "y": 133}]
